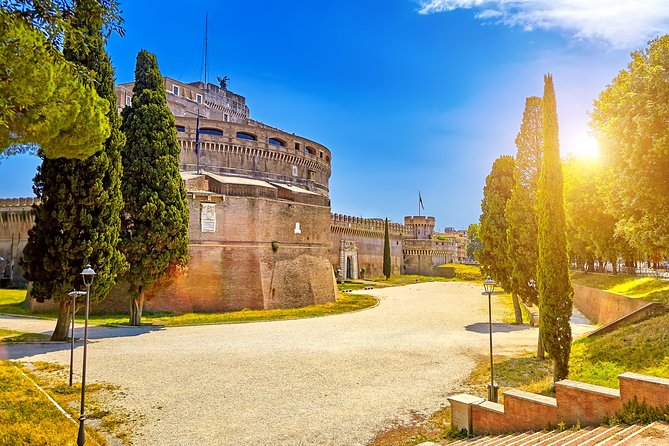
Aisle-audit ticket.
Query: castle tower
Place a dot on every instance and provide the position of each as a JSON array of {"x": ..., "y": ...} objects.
[{"x": 419, "y": 227}]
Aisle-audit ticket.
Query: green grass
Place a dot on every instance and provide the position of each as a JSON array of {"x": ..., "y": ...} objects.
[
  {"x": 465, "y": 273},
  {"x": 13, "y": 336},
  {"x": 28, "y": 418},
  {"x": 646, "y": 288},
  {"x": 11, "y": 302},
  {"x": 640, "y": 348}
]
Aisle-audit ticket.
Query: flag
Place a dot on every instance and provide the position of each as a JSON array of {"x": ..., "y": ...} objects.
[
  {"x": 197, "y": 133},
  {"x": 420, "y": 201}
]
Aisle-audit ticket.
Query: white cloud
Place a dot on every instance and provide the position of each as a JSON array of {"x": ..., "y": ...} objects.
[{"x": 620, "y": 24}]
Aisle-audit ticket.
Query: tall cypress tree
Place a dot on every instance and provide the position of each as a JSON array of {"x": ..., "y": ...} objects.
[
  {"x": 521, "y": 211},
  {"x": 155, "y": 223},
  {"x": 78, "y": 220},
  {"x": 387, "y": 265},
  {"x": 555, "y": 291},
  {"x": 496, "y": 192}
]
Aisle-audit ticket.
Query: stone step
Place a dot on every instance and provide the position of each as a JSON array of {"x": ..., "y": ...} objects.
[
  {"x": 535, "y": 439},
  {"x": 585, "y": 434},
  {"x": 533, "y": 436},
  {"x": 604, "y": 435},
  {"x": 556, "y": 438},
  {"x": 620, "y": 436},
  {"x": 652, "y": 435}
]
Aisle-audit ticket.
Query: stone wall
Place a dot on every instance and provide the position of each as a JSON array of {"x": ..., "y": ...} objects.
[
  {"x": 16, "y": 218},
  {"x": 368, "y": 235},
  {"x": 422, "y": 256},
  {"x": 574, "y": 402},
  {"x": 602, "y": 307}
]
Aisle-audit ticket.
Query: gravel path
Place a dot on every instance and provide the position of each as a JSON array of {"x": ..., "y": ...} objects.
[{"x": 335, "y": 380}]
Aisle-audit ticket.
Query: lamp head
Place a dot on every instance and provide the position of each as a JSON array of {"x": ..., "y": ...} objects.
[
  {"x": 88, "y": 274},
  {"x": 489, "y": 285}
]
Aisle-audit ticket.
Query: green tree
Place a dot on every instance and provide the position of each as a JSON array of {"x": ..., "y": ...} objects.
[
  {"x": 387, "y": 265},
  {"x": 555, "y": 291},
  {"x": 44, "y": 98},
  {"x": 630, "y": 121},
  {"x": 474, "y": 244},
  {"x": 521, "y": 212},
  {"x": 78, "y": 220},
  {"x": 494, "y": 257},
  {"x": 155, "y": 223}
]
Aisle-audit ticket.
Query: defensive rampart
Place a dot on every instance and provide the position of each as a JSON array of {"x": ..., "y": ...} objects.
[{"x": 16, "y": 218}]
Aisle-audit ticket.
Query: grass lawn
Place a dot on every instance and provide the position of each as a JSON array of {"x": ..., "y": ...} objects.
[
  {"x": 465, "y": 273},
  {"x": 27, "y": 417},
  {"x": 644, "y": 287},
  {"x": 11, "y": 302},
  {"x": 9, "y": 336}
]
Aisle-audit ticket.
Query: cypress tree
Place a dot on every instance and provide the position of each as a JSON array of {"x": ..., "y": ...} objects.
[
  {"x": 387, "y": 265},
  {"x": 521, "y": 211},
  {"x": 155, "y": 223},
  {"x": 494, "y": 256},
  {"x": 78, "y": 220},
  {"x": 555, "y": 291}
]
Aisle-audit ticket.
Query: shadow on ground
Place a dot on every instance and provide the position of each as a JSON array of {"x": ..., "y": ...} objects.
[
  {"x": 497, "y": 327},
  {"x": 26, "y": 350}
]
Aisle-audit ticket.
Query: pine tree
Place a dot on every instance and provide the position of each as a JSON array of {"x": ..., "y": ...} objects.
[
  {"x": 78, "y": 220},
  {"x": 155, "y": 223},
  {"x": 555, "y": 291},
  {"x": 387, "y": 265},
  {"x": 493, "y": 257},
  {"x": 521, "y": 212}
]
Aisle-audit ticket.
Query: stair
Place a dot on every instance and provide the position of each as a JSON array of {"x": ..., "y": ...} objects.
[{"x": 636, "y": 435}]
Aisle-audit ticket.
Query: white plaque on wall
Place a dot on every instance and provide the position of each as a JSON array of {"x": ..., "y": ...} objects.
[{"x": 208, "y": 217}]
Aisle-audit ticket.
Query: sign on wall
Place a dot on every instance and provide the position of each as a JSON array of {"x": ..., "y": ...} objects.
[{"x": 208, "y": 217}]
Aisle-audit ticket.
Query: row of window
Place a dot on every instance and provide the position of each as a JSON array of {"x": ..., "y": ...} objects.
[{"x": 252, "y": 137}]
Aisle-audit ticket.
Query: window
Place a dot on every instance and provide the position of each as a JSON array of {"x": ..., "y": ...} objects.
[
  {"x": 247, "y": 136},
  {"x": 276, "y": 142},
  {"x": 294, "y": 171},
  {"x": 198, "y": 98},
  {"x": 210, "y": 131},
  {"x": 321, "y": 154},
  {"x": 175, "y": 90},
  {"x": 226, "y": 117},
  {"x": 297, "y": 146},
  {"x": 128, "y": 100},
  {"x": 309, "y": 150},
  {"x": 181, "y": 128}
]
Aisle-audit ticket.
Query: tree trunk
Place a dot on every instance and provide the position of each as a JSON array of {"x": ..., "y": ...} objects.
[
  {"x": 136, "y": 306},
  {"x": 540, "y": 347},
  {"x": 516, "y": 309},
  {"x": 64, "y": 319}
]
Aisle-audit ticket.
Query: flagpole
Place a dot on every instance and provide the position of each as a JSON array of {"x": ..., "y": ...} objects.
[{"x": 419, "y": 203}]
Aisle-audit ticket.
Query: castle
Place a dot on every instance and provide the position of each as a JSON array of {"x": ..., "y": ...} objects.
[{"x": 261, "y": 231}]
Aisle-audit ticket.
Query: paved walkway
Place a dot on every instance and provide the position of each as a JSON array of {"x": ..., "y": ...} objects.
[{"x": 335, "y": 380}]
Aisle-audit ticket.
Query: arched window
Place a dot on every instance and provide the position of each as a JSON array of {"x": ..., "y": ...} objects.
[
  {"x": 247, "y": 136},
  {"x": 327, "y": 158},
  {"x": 309, "y": 150},
  {"x": 181, "y": 128},
  {"x": 276, "y": 142},
  {"x": 211, "y": 131}
]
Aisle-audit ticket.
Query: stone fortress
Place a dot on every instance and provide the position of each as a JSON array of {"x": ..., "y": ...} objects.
[{"x": 261, "y": 231}]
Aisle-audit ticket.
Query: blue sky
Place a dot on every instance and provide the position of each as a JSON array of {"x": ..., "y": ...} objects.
[{"x": 407, "y": 95}]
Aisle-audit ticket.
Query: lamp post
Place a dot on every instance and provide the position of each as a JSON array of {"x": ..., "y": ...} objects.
[
  {"x": 87, "y": 275},
  {"x": 489, "y": 287},
  {"x": 73, "y": 295}
]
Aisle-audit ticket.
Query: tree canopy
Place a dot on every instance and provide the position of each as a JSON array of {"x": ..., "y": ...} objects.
[
  {"x": 496, "y": 192},
  {"x": 155, "y": 222},
  {"x": 630, "y": 120},
  {"x": 555, "y": 291}
]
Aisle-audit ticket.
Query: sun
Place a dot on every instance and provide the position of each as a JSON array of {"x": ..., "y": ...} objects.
[{"x": 585, "y": 146}]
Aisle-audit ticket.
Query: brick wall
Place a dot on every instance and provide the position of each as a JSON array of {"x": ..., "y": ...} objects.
[{"x": 574, "y": 402}]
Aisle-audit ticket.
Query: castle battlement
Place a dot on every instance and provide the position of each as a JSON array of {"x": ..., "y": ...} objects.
[
  {"x": 21, "y": 202},
  {"x": 366, "y": 227}
]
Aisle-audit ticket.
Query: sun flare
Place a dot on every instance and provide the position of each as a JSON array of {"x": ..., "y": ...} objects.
[{"x": 586, "y": 146}]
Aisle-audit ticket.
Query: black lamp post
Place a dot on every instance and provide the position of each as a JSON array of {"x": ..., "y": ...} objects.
[
  {"x": 489, "y": 287},
  {"x": 87, "y": 275},
  {"x": 73, "y": 295}
]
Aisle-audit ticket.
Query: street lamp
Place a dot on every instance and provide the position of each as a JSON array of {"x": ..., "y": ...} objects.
[
  {"x": 87, "y": 275},
  {"x": 489, "y": 287},
  {"x": 73, "y": 295}
]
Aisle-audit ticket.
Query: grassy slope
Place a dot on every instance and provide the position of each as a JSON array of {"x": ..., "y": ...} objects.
[
  {"x": 7, "y": 336},
  {"x": 28, "y": 418},
  {"x": 644, "y": 287}
]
